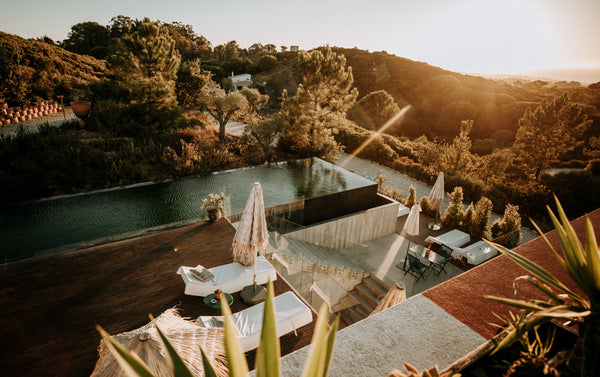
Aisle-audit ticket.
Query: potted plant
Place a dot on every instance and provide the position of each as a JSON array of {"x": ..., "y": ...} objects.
[{"x": 213, "y": 206}]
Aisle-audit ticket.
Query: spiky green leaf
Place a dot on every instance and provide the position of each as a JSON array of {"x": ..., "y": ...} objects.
[
  {"x": 238, "y": 367},
  {"x": 268, "y": 353},
  {"x": 209, "y": 371}
]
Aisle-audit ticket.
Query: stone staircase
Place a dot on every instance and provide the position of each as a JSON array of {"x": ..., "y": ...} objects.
[{"x": 361, "y": 301}]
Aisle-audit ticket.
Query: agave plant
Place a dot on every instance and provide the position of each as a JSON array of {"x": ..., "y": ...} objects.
[
  {"x": 267, "y": 354},
  {"x": 583, "y": 266}
]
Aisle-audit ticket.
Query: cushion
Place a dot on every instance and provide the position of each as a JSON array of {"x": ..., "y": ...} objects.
[{"x": 202, "y": 274}]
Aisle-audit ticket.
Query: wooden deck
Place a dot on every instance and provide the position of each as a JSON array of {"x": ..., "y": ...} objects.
[{"x": 50, "y": 305}]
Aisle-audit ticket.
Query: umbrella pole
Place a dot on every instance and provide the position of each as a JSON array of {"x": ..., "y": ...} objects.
[
  {"x": 255, "y": 262},
  {"x": 406, "y": 256}
]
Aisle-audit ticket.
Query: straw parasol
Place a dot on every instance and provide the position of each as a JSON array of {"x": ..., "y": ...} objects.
[
  {"x": 186, "y": 337},
  {"x": 436, "y": 197},
  {"x": 251, "y": 238},
  {"x": 411, "y": 226},
  {"x": 394, "y": 296}
]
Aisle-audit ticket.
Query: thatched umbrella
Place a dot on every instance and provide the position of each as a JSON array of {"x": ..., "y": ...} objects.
[
  {"x": 251, "y": 239},
  {"x": 394, "y": 296},
  {"x": 436, "y": 197},
  {"x": 186, "y": 336},
  {"x": 411, "y": 227}
]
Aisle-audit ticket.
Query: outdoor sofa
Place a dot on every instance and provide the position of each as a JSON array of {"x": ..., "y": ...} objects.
[
  {"x": 476, "y": 253},
  {"x": 229, "y": 278},
  {"x": 290, "y": 314}
]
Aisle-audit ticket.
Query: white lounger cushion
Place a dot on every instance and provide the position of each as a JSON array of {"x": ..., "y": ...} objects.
[
  {"x": 453, "y": 238},
  {"x": 403, "y": 210},
  {"x": 290, "y": 314},
  {"x": 477, "y": 253},
  {"x": 229, "y": 278}
]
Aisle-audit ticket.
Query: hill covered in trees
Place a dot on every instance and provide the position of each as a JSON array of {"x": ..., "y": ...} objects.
[{"x": 155, "y": 84}]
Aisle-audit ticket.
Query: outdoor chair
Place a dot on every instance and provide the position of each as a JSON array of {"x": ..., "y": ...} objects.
[
  {"x": 290, "y": 314},
  {"x": 416, "y": 268},
  {"x": 229, "y": 278}
]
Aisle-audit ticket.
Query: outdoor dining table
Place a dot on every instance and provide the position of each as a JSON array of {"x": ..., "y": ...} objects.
[{"x": 435, "y": 260}]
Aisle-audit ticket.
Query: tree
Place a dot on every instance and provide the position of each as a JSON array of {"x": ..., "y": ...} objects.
[
  {"x": 147, "y": 59},
  {"x": 493, "y": 166},
  {"x": 222, "y": 106},
  {"x": 189, "y": 44},
  {"x": 454, "y": 214},
  {"x": 191, "y": 79},
  {"x": 457, "y": 156},
  {"x": 255, "y": 99},
  {"x": 374, "y": 110},
  {"x": 266, "y": 62},
  {"x": 325, "y": 94},
  {"x": 507, "y": 231},
  {"x": 481, "y": 216},
  {"x": 86, "y": 37},
  {"x": 552, "y": 129}
]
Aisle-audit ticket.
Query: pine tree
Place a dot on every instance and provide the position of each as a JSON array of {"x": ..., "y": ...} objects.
[
  {"x": 479, "y": 224},
  {"x": 411, "y": 200},
  {"x": 147, "y": 60},
  {"x": 552, "y": 129},
  {"x": 313, "y": 116},
  {"x": 374, "y": 110},
  {"x": 454, "y": 214},
  {"x": 507, "y": 231}
]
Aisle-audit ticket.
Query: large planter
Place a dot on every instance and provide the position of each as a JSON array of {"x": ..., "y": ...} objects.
[{"x": 81, "y": 109}]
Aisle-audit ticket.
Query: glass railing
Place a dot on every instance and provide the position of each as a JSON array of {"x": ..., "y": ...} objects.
[{"x": 318, "y": 274}]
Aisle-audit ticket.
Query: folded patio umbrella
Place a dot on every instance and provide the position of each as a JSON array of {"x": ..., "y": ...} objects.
[
  {"x": 186, "y": 337},
  {"x": 251, "y": 238},
  {"x": 436, "y": 197},
  {"x": 411, "y": 227}
]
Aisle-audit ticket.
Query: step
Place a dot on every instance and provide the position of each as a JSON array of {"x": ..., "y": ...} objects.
[
  {"x": 366, "y": 306},
  {"x": 368, "y": 294},
  {"x": 345, "y": 318},
  {"x": 377, "y": 287},
  {"x": 358, "y": 314}
]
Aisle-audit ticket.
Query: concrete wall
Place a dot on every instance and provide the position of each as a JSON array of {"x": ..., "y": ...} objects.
[{"x": 353, "y": 229}]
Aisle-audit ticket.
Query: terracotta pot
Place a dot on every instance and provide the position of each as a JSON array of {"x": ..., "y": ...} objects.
[
  {"x": 213, "y": 215},
  {"x": 81, "y": 108}
]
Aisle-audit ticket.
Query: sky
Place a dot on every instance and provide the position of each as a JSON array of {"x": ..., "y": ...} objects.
[{"x": 469, "y": 36}]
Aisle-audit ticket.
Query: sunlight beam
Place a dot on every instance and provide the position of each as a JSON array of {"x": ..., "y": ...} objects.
[{"x": 376, "y": 134}]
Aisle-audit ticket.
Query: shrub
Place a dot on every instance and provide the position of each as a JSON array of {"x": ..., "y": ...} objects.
[
  {"x": 426, "y": 208},
  {"x": 507, "y": 231},
  {"x": 479, "y": 223},
  {"x": 411, "y": 199},
  {"x": 454, "y": 214}
]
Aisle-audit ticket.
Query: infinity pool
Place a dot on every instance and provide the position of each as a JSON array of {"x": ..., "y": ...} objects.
[{"x": 31, "y": 227}]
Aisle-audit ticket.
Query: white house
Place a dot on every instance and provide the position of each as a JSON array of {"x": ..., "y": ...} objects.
[{"x": 241, "y": 81}]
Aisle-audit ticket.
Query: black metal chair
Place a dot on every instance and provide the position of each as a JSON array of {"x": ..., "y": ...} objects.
[{"x": 416, "y": 268}]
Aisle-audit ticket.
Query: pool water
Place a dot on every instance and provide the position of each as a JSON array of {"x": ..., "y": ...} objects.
[{"x": 31, "y": 227}]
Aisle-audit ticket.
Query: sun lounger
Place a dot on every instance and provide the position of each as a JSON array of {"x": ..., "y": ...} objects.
[
  {"x": 453, "y": 238},
  {"x": 229, "y": 278},
  {"x": 475, "y": 254},
  {"x": 290, "y": 314},
  {"x": 403, "y": 210}
]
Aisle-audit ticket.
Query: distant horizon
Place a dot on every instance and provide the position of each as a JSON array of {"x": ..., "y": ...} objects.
[{"x": 546, "y": 38}]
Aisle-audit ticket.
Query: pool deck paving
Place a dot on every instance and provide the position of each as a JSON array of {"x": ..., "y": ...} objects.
[{"x": 442, "y": 324}]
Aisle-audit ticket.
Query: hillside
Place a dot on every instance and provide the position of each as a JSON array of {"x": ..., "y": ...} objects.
[{"x": 31, "y": 68}]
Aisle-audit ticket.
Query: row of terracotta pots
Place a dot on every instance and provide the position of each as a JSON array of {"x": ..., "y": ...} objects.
[{"x": 13, "y": 115}]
